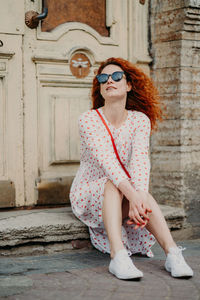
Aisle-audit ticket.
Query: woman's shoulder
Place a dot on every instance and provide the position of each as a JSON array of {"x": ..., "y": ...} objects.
[
  {"x": 140, "y": 117},
  {"x": 87, "y": 115}
]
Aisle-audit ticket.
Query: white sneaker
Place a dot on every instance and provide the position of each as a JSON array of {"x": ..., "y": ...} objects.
[
  {"x": 176, "y": 264},
  {"x": 122, "y": 266}
]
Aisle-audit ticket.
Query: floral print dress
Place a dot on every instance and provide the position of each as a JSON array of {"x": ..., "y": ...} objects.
[{"x": 98, "y": 163}]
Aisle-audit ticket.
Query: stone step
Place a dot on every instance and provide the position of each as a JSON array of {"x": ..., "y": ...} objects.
[
  {"x": 57, "y": 226},
  {"x": 175, "y": 216},
  {"x": 41, "y": 226}
]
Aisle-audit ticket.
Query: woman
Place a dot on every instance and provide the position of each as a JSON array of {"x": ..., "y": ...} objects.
[{"x": 110, "y": 197}]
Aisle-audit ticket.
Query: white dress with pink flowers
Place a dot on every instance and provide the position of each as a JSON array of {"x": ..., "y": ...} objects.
[{"x": 98, "y": 163}]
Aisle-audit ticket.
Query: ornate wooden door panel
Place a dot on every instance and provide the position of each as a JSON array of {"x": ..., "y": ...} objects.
[
  {"x": 58, "y": 135},
  {"x": 90, "y": 12}
]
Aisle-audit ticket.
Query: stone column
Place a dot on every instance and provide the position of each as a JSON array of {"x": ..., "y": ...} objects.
[{"x": 175, "y": 158}]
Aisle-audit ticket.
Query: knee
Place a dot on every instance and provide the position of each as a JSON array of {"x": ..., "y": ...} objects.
[
  {"x": 150, "y": 200},
  {"x": 111, "y": 188}
]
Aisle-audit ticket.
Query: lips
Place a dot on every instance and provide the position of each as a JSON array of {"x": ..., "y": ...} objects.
[{"x": 110, "y": 88}]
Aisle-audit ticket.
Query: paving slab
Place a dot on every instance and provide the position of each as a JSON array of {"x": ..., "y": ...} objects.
[{"x": 83, "y": 274}]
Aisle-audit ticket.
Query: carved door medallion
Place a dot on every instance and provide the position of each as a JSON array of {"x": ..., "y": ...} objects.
[{"x": 80, "y": 65}]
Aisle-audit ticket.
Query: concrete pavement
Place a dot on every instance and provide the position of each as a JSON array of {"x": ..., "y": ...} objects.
[{"x": 83, "y": 274}]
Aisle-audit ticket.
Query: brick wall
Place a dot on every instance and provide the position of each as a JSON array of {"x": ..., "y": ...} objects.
[{"x": 175, "y": 158}]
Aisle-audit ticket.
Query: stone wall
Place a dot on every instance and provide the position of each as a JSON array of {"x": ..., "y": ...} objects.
[{"x": 175, "y": 158}]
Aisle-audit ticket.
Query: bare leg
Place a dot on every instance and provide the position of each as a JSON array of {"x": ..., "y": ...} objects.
[
  {"x": 112, "y": 217},
  {"x": 156, "y": 225}
]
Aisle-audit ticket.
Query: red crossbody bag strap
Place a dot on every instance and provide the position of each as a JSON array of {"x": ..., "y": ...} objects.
[{"x": 113, "y": 142}]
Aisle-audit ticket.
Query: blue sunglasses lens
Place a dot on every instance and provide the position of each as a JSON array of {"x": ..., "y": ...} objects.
[
  {"x": 102, "y": 78},
  {"x": 116, "y": 76}
]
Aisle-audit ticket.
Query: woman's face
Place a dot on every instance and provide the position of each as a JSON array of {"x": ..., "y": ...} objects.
[{"x": 114, "y": 89}]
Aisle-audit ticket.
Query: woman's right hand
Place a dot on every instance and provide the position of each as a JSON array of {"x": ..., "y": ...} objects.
[
  {"x": 139, "y": 209},
  {"x": 138, "y": 204}
]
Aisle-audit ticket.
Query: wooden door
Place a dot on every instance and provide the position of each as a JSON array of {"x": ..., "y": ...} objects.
[
  {"x": 11, "y": 104},
  {"x": 60, "y": 59}
]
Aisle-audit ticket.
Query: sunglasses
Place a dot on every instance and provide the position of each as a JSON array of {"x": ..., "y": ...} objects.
[{"x": 116, "y": 76}]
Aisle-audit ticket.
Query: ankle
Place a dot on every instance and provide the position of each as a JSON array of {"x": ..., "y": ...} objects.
[
  {"x": 113, "y": 252},
  {"x": 169, "y": 246}
]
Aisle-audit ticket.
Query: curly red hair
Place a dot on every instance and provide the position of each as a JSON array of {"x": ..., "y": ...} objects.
[{"x": 143, "y": 96}]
